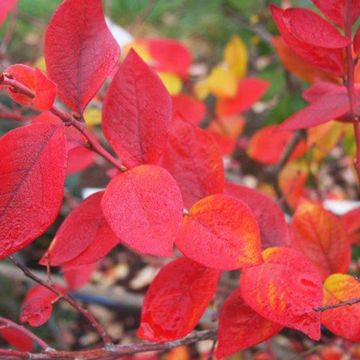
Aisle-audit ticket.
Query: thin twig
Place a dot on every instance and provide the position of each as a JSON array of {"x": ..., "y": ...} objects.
[
  {"x": 90, "y": 317},
  {"x": 349, "y": 302}
]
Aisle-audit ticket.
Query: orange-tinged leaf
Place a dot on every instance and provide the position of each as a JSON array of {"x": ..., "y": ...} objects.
[
  {"x": 220, "y": 232},
  {"x": 343, "y": 321},
  {"x": 222, "y": 82},
  {"x": 321, "y": 237},
  {"x": 84, "y": 229},
  {"x": 44, "y": 89},
  {"x": 193, "y": 158},
  {"x": 248, "y": 92},
  {"x": 273, "y": 228},
  {"x": 269, "y": 152},
  {"x": 136, "y": 113},
  {"x": 144, "y": 208},
  {"x": 285, "y": 289},
  {"x": 240, "y": 327},
  {"x": 17, "y": 339},
  {"x": 236, "y": 56},
  {"x": 176, "y": 300},
  {"x": 351, "y": 223}
]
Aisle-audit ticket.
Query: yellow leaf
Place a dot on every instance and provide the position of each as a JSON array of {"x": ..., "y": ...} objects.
[
  {"x": 92, "y": 116},
  {"x": 40, "y": 63},
  {"x": 222, "y": 82},
  {"x": 171, "y": 81},
  {"x": 236, "y": 56},
  {"x": 141, "y": 49},
  {"x": 201, "y": 89}
]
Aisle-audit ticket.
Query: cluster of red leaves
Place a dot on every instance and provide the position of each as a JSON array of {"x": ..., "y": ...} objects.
[{"x": 288, "y": 272}]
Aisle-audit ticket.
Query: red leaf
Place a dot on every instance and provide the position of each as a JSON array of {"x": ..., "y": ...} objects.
[
  {"x": 176, "y": 300},
  {"x": 325, "y": 108},
  {"x": 310, "y": 28},
  {"x": 343, "y": 321},
  {"x": 80, "y": 51},
  {"x": 17, "y": 339},
  {"x": 321, "y": 237},
  {"x": 84, "y": 230},
  {"x": 44, "y": 89},
  {"x": 330, "y": 60},
  {"x": 270, "y": 152},
  {"x": 5, "y": 7},
  {"x": 193, "y": 158},
  {"x": 320, "y": 89},
  {"x": 170, "y": 56},
  {"x": 335, "y": 10},
  {"x": 357, "y": 41},
  {"x": 32, "y": 168},
  {"x": 77, "y": 276},
  {"x": 137, "y": 113},
  {"x": 79, "y": 158},
  {"x": 273, "y": 228},
  {"x": 220, "y": 232},
  {"x": 351, "y": 223},
  {"x": 37, "y": 306},
  {"x": 249, "y": 91},
  {"x": 240, "y": 327},
  {"x": 188, "y": 108},
  {"x": 285, "y": 289},
  {"x": 143, "y": 206}
]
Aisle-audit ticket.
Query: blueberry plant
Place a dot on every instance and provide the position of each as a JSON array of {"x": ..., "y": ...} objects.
[{"x": 167, "y": 195}]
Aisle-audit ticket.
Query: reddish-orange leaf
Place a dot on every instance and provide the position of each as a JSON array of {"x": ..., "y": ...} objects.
[
  {"x": 336, "y": 10},
  {"x": 321, "y": 237},
  {"x": 176, "y": 300},
  {"x": 311, "y": 28},
  {"x": 220, "y": 232},
  {"x": 80, "y": 51},
  {"x": 137, "y": 113},
  {"x": 77, "y": 276},
  {"x": 249, "y": 91},
  {"x": 351, "y": 223},
  {"x": 241, "y": 327},
  {"x": 17, "y": 339},
  {"x": 357, "y": 41},
  {"x": 273, "y": 228},
  {"x": 37, "y": 306},
  {"x": 267, "y": 151},
  {"x": 5, "y": 7},
  {"x": 32, "y": 173},
  {"x": 285, "y": 289},
  {"x": 84, "y": 229},
  {"x": 189, "y": 108},
  {"x": 193, "y": 158},
  {"x": 44, "y": 89},
  {"x": 330, "y": 60},
  {"x": 343, "y": 321},
  {"x": 170, "y": 55},
  {"x": 143, "y": 206}
]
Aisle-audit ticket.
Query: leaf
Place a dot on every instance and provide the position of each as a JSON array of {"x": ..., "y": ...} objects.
[
  {"x": 240, "y": 327},
  {"x": 193, "y": 158},
  {"x": 37, "y": 306},
  {"x": 351, "y": 223},
  {"x": 5, "y": 7},
  {"x": 79, "y": 159},
  {"x": 285, "y": 289},
  {"x": 310, "y": 28},
  {"x": 77, "y": 276},
  {"x": 273, "y": 228},
  {"x": 172, "y": 82},
  {"x": 343, "y": 321},
  {"x": 32, "y": 168},
  {"x": 356, "y": 41},
  {"x": 321, "y": 237},
  {"x": 329, "y": 60},
  {"x": 325, "y": 108},
  {"x": 249, "y": 91},
  {"x": 84, "y": 229},
  {"x": 236, "y": 56},
  {"x": 222, "y": 82},
  {"x": 270, "y": 152},
  {"x": 335, "y": 10},
  {"x": 176, "y": 300},
  {"x": 170, "y": 55},
  {"x": 188, "y": 108},
  {"x": 137, "y": 113},
  {"x": 320, "y": 89},
  {"x": 17, "y": 339},
  {"x": 80, "y": 51},
  {"x": 44, "y": 89},
  {"x": 220, "y": 232},
  {"x": 143, "y": 207}
]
